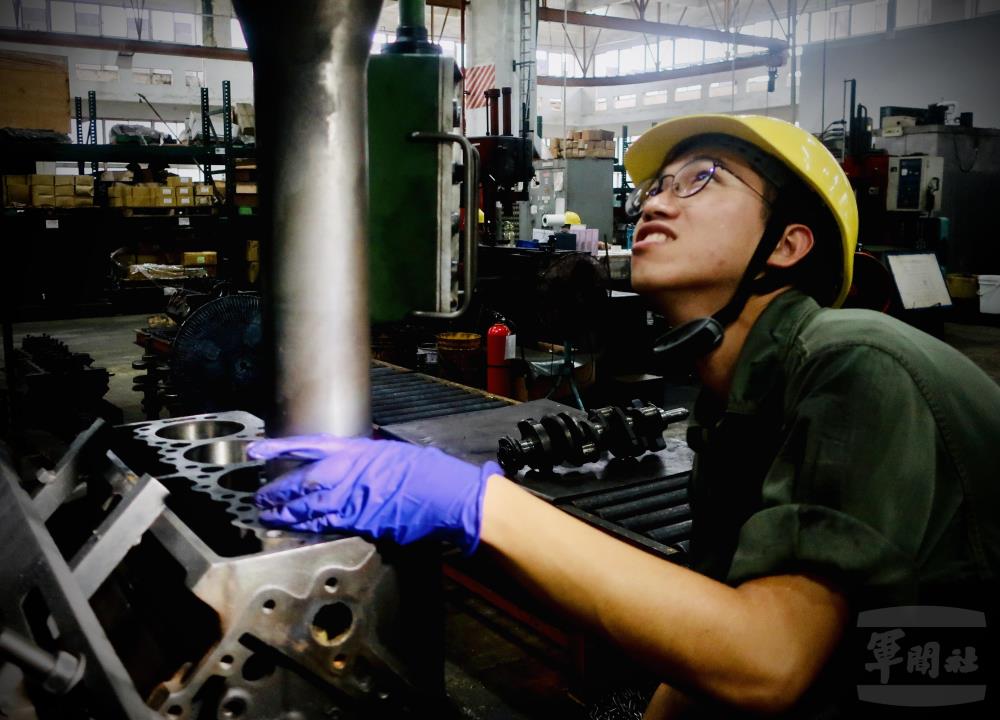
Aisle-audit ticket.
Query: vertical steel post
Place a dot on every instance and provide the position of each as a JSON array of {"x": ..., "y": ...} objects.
[
  {"x": 227, "y": 139},
  {"x": 206, "y": 124},
  {"x": 92, "y": 135},
  {"x": 78, "y": 111},
  {"x": 310, "y": 59}
]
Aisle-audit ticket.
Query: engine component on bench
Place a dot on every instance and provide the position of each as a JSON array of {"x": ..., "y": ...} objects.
[
  {"x": 563, "y": 438},
  {"x": 63, "y": 391},
  {"x": 202, "y": 611}
]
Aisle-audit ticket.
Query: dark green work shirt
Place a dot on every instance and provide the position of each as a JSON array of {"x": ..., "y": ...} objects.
[{"x": 855, "y": 448}]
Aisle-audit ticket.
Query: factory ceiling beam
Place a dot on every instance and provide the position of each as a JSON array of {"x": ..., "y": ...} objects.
[
  {"x": 88, "y": 42},
  {"x": 760, "y": 60},
  {"x": 654, "y": 28}
]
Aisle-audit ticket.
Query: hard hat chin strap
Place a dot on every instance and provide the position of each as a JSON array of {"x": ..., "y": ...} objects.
[{"x": 696, "y": 338}]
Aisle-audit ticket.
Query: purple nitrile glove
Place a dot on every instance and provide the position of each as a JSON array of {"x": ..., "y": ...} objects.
[{"x": 378, "y": 488}]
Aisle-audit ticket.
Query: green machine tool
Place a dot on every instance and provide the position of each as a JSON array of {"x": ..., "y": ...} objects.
[{"x": 422, "y": 263}]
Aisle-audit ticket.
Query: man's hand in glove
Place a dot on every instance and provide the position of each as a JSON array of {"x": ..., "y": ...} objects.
[{"x": 378, "y": 488}]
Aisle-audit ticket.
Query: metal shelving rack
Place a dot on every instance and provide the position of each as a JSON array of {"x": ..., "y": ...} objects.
[{"x": 64, "y": 229}]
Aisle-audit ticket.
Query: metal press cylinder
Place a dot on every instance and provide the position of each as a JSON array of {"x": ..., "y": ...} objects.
[
  {"x": 506, "y": 110},
  {"x": 310, "y": 61},
  {"x": 493, "y": 100}
]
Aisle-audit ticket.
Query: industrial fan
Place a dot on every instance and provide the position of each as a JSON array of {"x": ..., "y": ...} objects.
[{"x": 216, "y": 357}]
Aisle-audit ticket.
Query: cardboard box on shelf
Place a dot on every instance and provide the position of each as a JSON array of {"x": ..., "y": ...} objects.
[
  {"x": 164, "y": 191},
  {"x": 16, "y": 179},
  {"x": 17, "y": 193},
  {"x": 253, "y": 250},
  {"x": 117, "y": 202},
  {"x": 83, "y": 190},
  {"x": 83, "y": 180},
  {"x": 42, "y": 180},
  {"x": 203, "y": 200},
  {"x": 64, "y": 191},
  {"x": 245, "y": 173},
  {"x": 165, "y": 200},
  {"x": 246, "y": 188},
  {"x": 82, "y": 201},
  {"x": 201, "y": 257},
  {"x": 119, "y": 190},
  {"x": 204, "y": 189},
  {"x": 65, "y": 201},
  {"x": 177, "y": 181},
  {"x": 64, "y": 180},
  {"x": 35, "y": 89},
  {"x": 184, "y": 200},
  {"x": 140, "y": 196},
  {"x": 43, "y": 196},
  {"x": 245, "y": 118},
  {"x": 183, "y": 190}
]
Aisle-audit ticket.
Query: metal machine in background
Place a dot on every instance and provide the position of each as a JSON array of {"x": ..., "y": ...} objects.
[
  {"x": 580, "y": 184},
  {"x": 417, "y": 221},
  {"x": 968, "y": 165},
  {"x": 914, "y": 184},
  {"x": 899, "y": 199},
  {"x": 505, "y": 168}
]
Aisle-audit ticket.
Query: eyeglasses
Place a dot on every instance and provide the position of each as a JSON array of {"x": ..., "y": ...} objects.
[{"x": 690, "y": 180}]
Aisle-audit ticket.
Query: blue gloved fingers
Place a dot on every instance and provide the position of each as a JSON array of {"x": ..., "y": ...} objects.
[
  {"x": 301, "y": 447},
  {"x": 345, "y": 465},
  {"x": 331, "y": 504}
]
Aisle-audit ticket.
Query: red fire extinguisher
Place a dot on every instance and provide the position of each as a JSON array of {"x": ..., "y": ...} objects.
[{"x": 497, "y": 365}]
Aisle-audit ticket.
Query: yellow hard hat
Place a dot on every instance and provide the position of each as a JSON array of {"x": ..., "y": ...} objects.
[
  {"x": 481, "y": 215},
  {"x": 571, "y": 218},
  {"x": 797, "y": 149}
]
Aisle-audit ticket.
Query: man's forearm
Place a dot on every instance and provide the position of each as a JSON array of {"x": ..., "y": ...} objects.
[{"x": 694, "y": 632}]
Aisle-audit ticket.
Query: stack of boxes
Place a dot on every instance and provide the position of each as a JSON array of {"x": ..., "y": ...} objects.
[
  {"x": 48, "y": 191},
  {"x": 177, "y": 193},
  {"x": 74, "y": 191},
  {"x": 585, "y": 143}
]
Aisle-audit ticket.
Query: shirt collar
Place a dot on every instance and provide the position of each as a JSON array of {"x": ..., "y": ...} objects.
[{"x": 762, "y": 359}]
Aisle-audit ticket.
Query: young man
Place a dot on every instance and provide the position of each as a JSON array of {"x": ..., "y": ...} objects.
[{"x": 844, "y": 460}]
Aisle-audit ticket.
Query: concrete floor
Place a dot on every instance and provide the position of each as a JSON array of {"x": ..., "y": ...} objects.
[{"x": 494, "y": 667}]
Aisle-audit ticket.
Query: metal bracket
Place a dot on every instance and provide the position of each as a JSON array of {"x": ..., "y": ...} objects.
[
  {"x": 57, "y": 484},
  {"x": 119, "y": 531}
]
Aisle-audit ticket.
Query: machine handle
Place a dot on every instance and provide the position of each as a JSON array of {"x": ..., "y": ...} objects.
[{"x": 470, "y": 158}]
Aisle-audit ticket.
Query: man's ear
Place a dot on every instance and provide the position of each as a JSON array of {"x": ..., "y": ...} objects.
[{"x": 795, "y": 244}]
